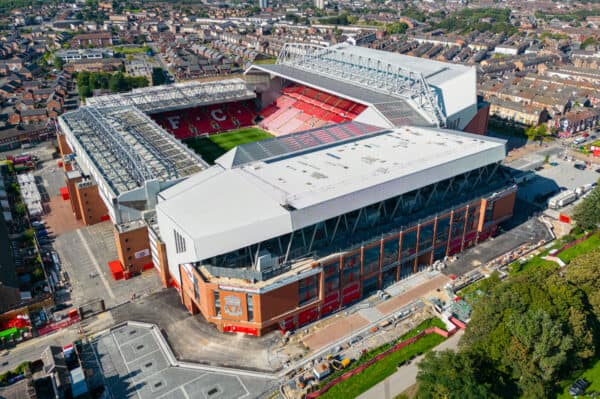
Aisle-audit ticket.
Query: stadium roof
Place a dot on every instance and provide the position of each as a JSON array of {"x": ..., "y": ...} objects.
[
  {"x": 177, "y": 96},
  {"x": 424, "y": 89},
  {"x": 435, "y": 72},
  {"x": 342, "y": 89},
  {"x": 292, "y": 191},
  {"x": 301, "y": 141},
  {"x": 128, "y": 148}
]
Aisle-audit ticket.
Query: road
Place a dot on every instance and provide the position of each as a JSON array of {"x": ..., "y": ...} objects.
[
  {"x": 31, "y": 350},
  {"x": 406, "y": 376}
]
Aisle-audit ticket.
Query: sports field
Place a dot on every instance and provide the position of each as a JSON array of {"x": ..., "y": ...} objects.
[{"x": 212, "y": 147}]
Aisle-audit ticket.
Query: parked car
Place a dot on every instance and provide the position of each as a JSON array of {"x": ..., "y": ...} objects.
[
  {"x": 58, "y": 307},
  {"x": 356, "y": 340},
  {"x": 578, "y": 388},
  {"x": 579, "y": 166}
]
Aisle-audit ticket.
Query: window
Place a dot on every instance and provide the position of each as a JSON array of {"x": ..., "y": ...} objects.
[
  {"x": 250, "y": 307},
  {"x": 371, "y": 260},
  {"x": 217, "y": 303},
  {"x": 179, "y": 242},
  {"x": 308, "y": 289}
]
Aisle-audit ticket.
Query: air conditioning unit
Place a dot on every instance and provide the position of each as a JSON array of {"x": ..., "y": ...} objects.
[{"x": 266, "y": 261}]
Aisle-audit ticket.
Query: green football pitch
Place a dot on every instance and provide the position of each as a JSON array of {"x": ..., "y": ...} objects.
[{"x": 213, "y": 146}]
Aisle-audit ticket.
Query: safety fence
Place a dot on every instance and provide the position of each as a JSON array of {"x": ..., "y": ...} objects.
[{"x": 573, "y": 243}]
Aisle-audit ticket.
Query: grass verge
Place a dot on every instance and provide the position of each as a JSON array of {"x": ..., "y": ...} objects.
[
  {"x": 382, "y": 369},
  {"x": 433, "y": 322}
]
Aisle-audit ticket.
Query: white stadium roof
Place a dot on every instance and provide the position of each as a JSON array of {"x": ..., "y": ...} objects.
[
  {"x": 223, "y": 209},
  {"x": 434, "y": 90}
]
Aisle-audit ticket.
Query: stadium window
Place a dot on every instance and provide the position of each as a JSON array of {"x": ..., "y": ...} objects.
[
  {"x": 250, "y": 307},
  {"x": 217, "y": 303},
  {"x": 179, "y": 242}
]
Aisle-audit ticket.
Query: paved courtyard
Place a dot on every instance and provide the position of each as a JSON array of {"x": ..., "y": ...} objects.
[
  {"x": 136, "y": 364},
  {"x": 85, "y": 254}
]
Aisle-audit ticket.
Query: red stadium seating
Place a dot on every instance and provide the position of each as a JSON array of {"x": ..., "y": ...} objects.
[
  {"x": 209, "y": 119},
  {"x": 301, "y": 108}
]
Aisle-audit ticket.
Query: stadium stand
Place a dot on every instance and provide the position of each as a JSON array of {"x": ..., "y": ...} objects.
[
  {"x": 208, "y": 119},
  {"x": 301, "y": 108}
]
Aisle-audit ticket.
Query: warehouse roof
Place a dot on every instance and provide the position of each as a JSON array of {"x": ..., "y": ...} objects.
[{"x": 284, "y": 193}]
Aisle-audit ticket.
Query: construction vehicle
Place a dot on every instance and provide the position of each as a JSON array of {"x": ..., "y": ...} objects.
[{"x": 338, "y": 365}]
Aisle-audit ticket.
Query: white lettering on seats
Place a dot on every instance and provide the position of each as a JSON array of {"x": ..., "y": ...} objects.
[
  {"x": 173, "y": 121},
  {"x": 218, "y": 115}
]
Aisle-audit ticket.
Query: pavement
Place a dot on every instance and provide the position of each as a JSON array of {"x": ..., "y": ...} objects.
[
  {"x": 406, "y": 376},
  {"x": 15, "y": 391},
  {"x": 84, "y": 254},
  {"x": 532, "y": 231},
  {"x": 563, "y": 175},
  {"x": 193, "y": 339},
  {"x": 136, "y": 364},
  {"x": 346, "y": 325}
]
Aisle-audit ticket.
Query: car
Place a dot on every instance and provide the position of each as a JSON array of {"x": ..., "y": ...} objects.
[
  {"x": 356, "y": 340},
  {"x": 578, "y": 388},
  {"x": 579, "y": 166},
  {"x": 598, "y": 170},
  {"x": 58, "y": 307},
  {"x": 400, "y": 364}
]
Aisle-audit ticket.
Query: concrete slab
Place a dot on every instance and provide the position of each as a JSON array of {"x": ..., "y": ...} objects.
[
  {"x": 85, "y": 254},
  {"x": 336, "y": 330},
  {"x": 147, "y": 374}
]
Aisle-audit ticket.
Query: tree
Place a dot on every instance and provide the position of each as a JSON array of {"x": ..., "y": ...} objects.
[
  {"x": 452, "y": 375},
  {"x": 158, "y": 76},
  {"x": 84, "y": 91},
  {"x": 58, "y": 62},
  {"x": 395, "y": 28},
  {"x": 534, "y": 328},
  {"x": 584, "y": 272},
  {"x": 587, "y": 213}
]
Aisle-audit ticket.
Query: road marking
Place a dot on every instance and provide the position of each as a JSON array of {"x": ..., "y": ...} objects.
[{"x": 96, "y": 265}]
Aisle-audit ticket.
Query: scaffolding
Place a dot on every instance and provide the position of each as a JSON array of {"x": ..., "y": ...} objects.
[
  {"x": 177, "y": 96},
  {"x": 367, "y": 72}
]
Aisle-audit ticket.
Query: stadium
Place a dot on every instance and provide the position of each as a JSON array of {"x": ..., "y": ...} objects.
[{"x": 341, "y": 171}]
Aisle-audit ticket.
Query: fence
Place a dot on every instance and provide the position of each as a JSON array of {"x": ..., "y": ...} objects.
[
  {"x": 573, "y": 243},
  {"x": 57, "y": 326},
  {"x": 362, "y": 367}
]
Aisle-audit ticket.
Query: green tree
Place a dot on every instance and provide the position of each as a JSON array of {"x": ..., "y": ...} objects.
[
  {"x": 584, "y": 272},
  {"x": 84, "y": 91},
  {"x": 397, "y": 27},
  {"x": 587, "y": 213},
  {"x": 21, "y": 209},
  {"x": 158, "y": 76},
  {"x": 37, "y": 274},
  {"x": 452, "y": 375},
  {"x": 58, "y": 62}
]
